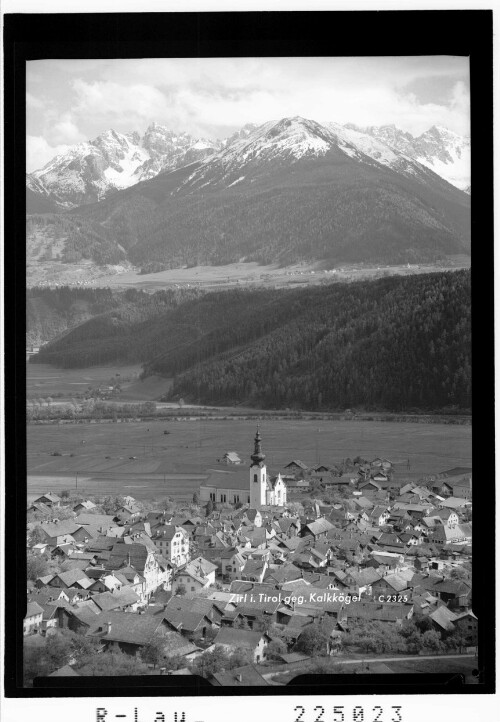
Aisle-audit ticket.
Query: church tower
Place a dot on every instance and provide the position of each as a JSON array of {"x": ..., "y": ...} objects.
[{"x": 258, "y": 475}]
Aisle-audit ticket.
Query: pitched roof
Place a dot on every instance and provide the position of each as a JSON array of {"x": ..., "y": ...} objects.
[
  {"x": 32, "y": 609},
  {"x": 238, "y": 637},
  {"x": 49, "y": 495},
  {"x": 246, "y": 676},
  {"x": 443, "y": 617},
  {"x": 297, "y": 462},
  {"x": 60, "y": 528},
  {"x": 126, "y": 627},
  {"x": 75, "y": 576},
  {"x": 320, "y": 526}
]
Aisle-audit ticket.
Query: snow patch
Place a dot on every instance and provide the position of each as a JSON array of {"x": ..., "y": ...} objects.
[{"x": 236, "y": 181}]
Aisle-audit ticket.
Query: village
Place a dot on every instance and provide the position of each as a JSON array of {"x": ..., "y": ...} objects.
[{"x": 262, "y": 577}]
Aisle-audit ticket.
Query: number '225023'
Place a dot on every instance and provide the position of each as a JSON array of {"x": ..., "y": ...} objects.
[{"x": 341, "y": 713}]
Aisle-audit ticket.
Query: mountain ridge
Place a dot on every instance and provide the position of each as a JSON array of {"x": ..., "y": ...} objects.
[
  {"x": 88, "y": 171},
  {"x": 287, "y": 191}
]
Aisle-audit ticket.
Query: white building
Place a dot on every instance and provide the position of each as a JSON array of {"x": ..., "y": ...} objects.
[{"x": 257, "y": 488}]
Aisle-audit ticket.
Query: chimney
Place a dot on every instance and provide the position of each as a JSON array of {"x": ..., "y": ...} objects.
[
  {"x": 238, "y": 677},
  {"x": 107, "y": 627}
]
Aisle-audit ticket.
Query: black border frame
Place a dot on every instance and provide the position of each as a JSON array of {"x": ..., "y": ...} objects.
[{"x": 213, "y": 34}]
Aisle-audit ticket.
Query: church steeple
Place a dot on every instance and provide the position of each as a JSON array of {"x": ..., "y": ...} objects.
[{"x": 257, "y": 456}]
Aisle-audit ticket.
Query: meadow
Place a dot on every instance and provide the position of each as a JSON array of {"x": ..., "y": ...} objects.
[
  {"x": 97, "y": 456},
  {"x": 45, "y": 380}
]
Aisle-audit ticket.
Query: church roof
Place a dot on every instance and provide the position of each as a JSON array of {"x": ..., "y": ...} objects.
[{"x": 238, "y": 480}]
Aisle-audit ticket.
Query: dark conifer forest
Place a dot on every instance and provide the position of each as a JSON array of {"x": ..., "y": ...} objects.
[{"x": 397, "y": 343}]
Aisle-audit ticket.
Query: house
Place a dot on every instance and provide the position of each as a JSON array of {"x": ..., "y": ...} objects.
[
  {"x": 361, "y": 582},
  {"x": 443, "y": 619},
  {"x": 191, "y": 581},
  {"x": 254, "y": 570},
  {"x": 456, "y": 594},
  {"x": 172, "y": 542},
  {"x": 231, "y": 457},
  {"x": 85, "y": 505},
  {"x": 378, "y": 515},
  {"x": 459, "y": 534},
  {"x": 49, "y": 499},
  {"x": 317, "y": 529},
  {"x": 43, "y": 508},
  {"x": 296, "y": 466},
  {"x": 202, "y": 568},
  {"x": 391, "y": 613},
  {"x": 369, "y": 487},
  {"x": 232, "y": 563},
  {"x": 192, "y": 625},
  {"x": 128, "y": 512},
  {"x": 140, "y": 557},
  {"x": 102, "y": 522},
  {"x": 126, "y": 632},
  {"x": 246, "y": 676},
  {"x": 254, "y": 643},
  {"x": 466, "y": 623},
  {"x": 73, "y": 578},
  {"x": 391, "y": 584},
  {"x": 455, "y": 502},
  {"x": 446, "y": 516},
  {"x": 59, "y": 531},
  {"x": 33, "y": 618}
]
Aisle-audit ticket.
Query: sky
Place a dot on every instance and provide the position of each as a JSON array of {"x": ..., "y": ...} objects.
[{"x": 71, "y": 101}]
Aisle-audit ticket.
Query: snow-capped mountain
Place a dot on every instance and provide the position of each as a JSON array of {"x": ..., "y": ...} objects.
[
  {"x": 290, "y": 139},
  {"x": 287, "y": 191},
  {"x": 89, "y": 171},
  {"x": 443, "y": 151}
]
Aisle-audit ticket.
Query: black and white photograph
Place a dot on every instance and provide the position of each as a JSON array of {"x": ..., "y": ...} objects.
[{"x": 248, "y": 390}]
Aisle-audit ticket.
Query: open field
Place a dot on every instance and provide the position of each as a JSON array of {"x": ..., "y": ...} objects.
[
  {"x": 193, "y": 447},
  {"x": 44, "y": 380},
  {"x": 212, "y": 277},
  {"x": 56, "y": 273}
]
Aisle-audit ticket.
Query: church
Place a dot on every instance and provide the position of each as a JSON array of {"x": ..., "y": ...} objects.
[{"x": 257, "y": 488}]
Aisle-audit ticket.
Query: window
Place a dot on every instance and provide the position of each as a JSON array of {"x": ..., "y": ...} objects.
[
  {"x": 236, "y": 498},
  {"x": 212, "y": 496},
  {"x": 255, "y": 478},
  {"x": 192, "y": 589},
  {"x": 223, "y": 497}
]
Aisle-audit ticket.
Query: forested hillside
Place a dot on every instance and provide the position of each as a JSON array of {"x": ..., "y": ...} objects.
[
  {"x": 67, "y": 316},
  {"x": 396, "y": 343}
]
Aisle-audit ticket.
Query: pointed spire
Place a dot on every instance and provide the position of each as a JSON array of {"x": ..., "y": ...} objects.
[{"x": 257, "y": 456}]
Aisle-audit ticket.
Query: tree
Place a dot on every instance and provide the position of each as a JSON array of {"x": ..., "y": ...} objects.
[
  {"x": 196, "y": 498},
  {"x": 312, "y": 641},
  {"x": 36, "y": 536},
  {"x": 153, "y": 652},
  {"x": 209, "y": 507},
  {"x": 212, "y": 662},
  {"x": 36, "y": 566},
  {"x": 113, "y": 664},
  {"x": 34, "y": 665},
  {"x": 240, "y": 658},
  {"x": 181, "y": 590},
  {"x": 64, "y": 494},
  {"x": 459, "y": 573},
  {"x": 275, "y": 649},
  {"x": 432, "y": 640}
]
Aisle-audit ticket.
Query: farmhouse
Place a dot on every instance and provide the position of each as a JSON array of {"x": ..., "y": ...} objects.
[{"x": 258, "y": 488}]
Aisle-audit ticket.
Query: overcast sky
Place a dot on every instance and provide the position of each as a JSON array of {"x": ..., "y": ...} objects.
[{"x": 69, "y": 101}]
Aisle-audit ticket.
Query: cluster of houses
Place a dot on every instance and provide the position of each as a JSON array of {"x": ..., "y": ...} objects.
[{"x": 234, "y": 576}]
